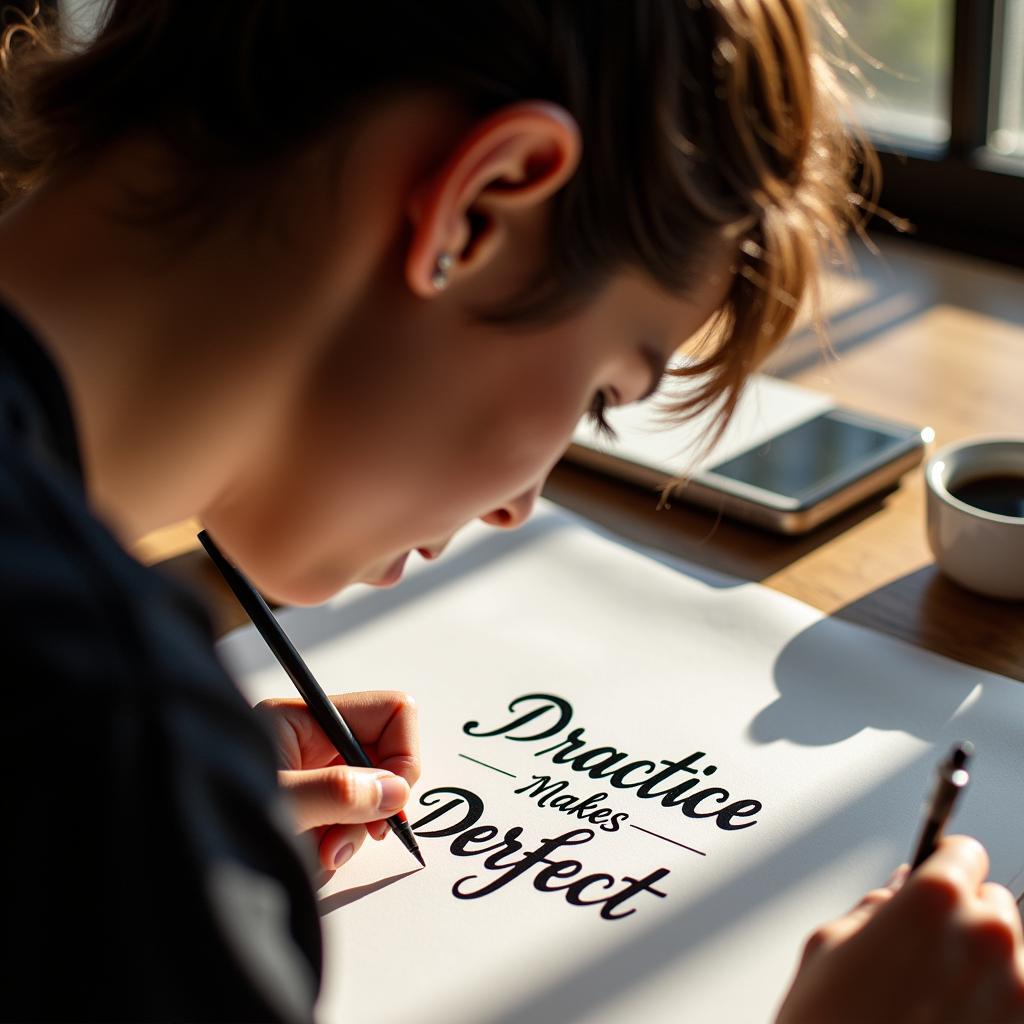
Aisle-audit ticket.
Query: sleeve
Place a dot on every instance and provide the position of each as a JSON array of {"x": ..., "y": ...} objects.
[{"x": 152, "y": 874}]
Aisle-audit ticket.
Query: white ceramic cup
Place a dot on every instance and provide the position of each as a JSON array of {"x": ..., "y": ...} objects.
[{"x": 980, "y": 550}]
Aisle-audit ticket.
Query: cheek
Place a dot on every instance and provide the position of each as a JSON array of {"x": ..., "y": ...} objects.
[
  {"x": 362, "y": 476},
  {"x": 519, "y": 435},
  {"x": 306, "y": 520}
]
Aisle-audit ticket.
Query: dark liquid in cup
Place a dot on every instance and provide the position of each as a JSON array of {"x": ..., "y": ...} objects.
[{"x": 1002, "y": 494}]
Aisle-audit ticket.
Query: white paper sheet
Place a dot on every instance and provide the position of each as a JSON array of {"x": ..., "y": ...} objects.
[{"x": 833, "y": 729}]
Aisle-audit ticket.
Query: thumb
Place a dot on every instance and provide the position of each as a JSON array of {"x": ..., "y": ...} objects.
[{"x": 342, "y": 795}]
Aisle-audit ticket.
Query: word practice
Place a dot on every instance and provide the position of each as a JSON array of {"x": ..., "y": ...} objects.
[{"x": 549, "y": 715}]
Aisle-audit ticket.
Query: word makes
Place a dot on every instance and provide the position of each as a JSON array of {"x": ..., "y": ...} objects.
[
  {"x": 606, "y": 763},
  {"x": 550, "y": 793},
  {"x": 459, "y": 817}
]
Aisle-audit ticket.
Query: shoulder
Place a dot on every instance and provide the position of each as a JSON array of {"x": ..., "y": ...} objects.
[
  {"x": 86, "y": 626},
  {"x": 145, "y": 757},
  {"x": 73, "y": 600}
]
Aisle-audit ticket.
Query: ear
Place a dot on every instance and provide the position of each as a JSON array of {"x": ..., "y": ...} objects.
[{"x": 516, "y": 158}]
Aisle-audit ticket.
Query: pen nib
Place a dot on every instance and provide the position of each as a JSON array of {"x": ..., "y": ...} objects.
[{"x": 400, "y": 827}]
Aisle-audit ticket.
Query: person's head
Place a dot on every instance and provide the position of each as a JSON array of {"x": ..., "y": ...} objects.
[{"x": 483, "y": 220}]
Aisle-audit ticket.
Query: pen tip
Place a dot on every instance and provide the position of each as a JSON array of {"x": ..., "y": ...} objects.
[{"x": 400, "y": 826}]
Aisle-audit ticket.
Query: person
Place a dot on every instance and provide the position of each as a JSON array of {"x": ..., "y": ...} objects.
[{"x": 339, "y": 279}]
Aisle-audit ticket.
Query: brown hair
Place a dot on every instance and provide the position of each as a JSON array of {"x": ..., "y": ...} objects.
[{"x": 700, "y": 119}]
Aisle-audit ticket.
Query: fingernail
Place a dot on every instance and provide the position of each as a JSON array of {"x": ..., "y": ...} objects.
[
  {"x": 393, "y": 793},
  {"x": 898, "y": 877},
  {"x": 343, "y": 855}
]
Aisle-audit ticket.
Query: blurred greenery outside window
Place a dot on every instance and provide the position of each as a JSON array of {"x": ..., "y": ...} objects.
[
  {"x": 899, "y": 73},
  {"x": 900, "y": 54}
]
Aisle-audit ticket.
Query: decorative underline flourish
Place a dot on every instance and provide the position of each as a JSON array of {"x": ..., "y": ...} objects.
[
  {"x": 486, "y": 765},
  {"x": 667, "y": 840}
]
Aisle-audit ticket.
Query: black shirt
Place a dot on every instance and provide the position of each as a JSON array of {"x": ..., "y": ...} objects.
[{"x": 149, "y": 870}]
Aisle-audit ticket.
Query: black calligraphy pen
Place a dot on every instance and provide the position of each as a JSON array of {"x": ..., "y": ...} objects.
[
  {"x": 322, "y": 708},
  {"x": 951, "y": 780}
]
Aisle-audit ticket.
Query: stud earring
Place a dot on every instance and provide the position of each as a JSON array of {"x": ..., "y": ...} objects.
[{"x": 445, "y": 262}]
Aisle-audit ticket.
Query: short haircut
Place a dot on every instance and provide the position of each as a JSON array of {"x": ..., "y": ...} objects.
[{"x": 701, "y": 120}]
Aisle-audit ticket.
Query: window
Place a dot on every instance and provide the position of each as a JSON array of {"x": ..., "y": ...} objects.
[
  {"x": 941, "y": 91},
  {"x": 1006, "y": 132},
  {"x": 903, "y": 52}
]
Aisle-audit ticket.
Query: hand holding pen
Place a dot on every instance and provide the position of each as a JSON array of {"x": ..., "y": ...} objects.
[
  {"x": 334, "y": 783},
  {"x": 937, "y": 943},
  {"x": 341, "y": 805}
]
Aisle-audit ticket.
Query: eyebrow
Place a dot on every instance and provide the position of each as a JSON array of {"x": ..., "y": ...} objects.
[{"x": 657, "y": 364}]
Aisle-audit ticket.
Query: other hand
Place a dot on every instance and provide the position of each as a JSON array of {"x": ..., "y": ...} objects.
[
  {"x": 338, "y": 803},
  {"x": 940, "y": 945}
]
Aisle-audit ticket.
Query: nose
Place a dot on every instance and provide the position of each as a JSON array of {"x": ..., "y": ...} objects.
[{"x": 515, "y": 512}]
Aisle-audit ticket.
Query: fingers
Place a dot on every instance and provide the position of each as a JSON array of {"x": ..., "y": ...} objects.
[
  {"x": 835, "y": 932},
  {"x": 342, "y": 795},
  {"x": 958, "y": 867},
  {"x": 898, "y": 878},
  {"x": 384, "y": 721},
  {"x": 1001, "y": 902},
  {"x": 941, "y": 944},
  {"x": 876, "y": 898},
  {"x": 990, "y": 960},
  {"x": 940, "y": 889},
  {"x": 989, "y": 925},
  {"x": 971, "y": 928},
  {"x": 378, "y": 830},
  {"x": 339, "y": 844}
]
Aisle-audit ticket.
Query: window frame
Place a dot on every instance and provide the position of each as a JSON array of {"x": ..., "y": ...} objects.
[{"x": 961, "y": 195}]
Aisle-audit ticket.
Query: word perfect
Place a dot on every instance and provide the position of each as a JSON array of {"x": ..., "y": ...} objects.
[
  {"x": 509, "y": 859},
  {"x": 675, "y": 782}
]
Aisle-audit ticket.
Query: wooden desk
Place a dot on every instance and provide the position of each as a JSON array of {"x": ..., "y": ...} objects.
[{"x": 920, "y": 335}]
